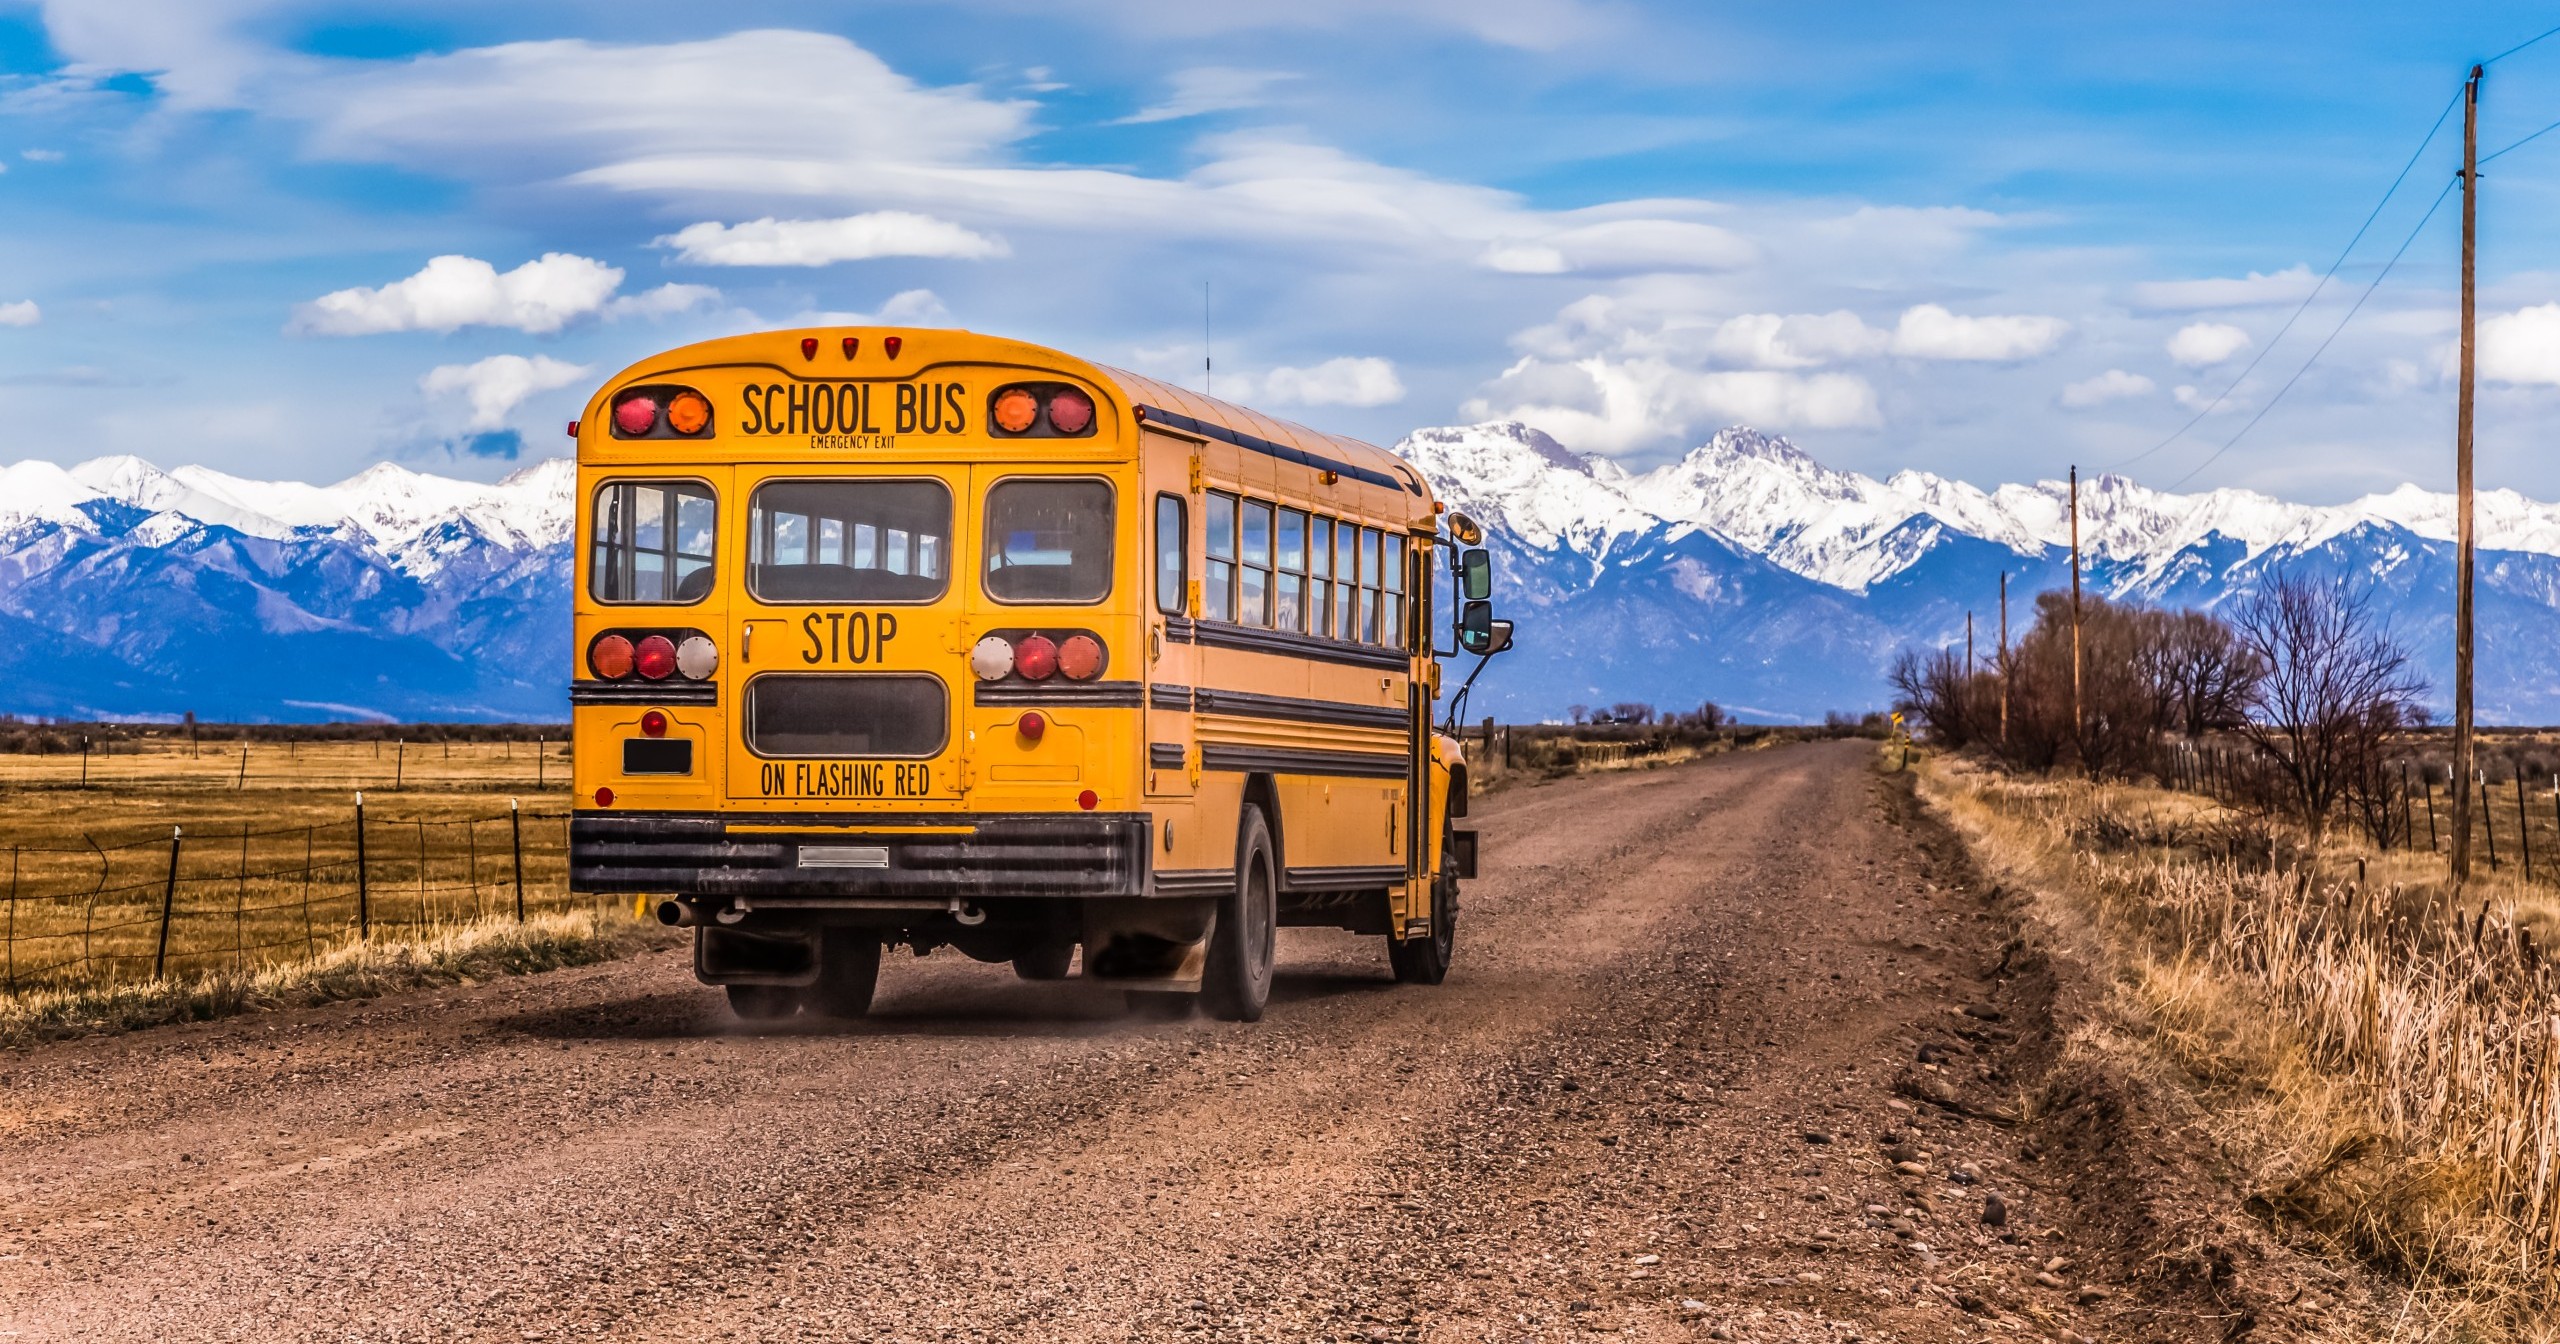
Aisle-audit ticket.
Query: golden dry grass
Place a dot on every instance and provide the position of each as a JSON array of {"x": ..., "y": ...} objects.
[
  {"x": 265, "y": 871},
  {"x": 2383, "y": 1074}
]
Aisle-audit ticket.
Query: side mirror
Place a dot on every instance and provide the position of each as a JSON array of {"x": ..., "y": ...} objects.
[
  {"x": 1475, "y": 574},
  {"x": 1501, "y": 638},
  {"x": 1475, "y": 627}
]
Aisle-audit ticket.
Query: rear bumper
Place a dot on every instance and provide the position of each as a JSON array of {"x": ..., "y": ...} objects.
[{"x": 797, "y": 860}]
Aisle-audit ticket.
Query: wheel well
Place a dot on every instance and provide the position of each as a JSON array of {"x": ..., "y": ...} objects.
[{"x": 1259, "y": 790}]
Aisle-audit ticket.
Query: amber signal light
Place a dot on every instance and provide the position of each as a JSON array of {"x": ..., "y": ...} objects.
[
  {"x": 659, "y": 412},
  {"x": 1050, "y": 409}
]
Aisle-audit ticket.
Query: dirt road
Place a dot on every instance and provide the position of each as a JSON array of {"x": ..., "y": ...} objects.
[{"x": 1654, "y": 1100}]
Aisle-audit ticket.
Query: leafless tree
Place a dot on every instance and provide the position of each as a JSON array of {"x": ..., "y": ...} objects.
[
  {"x": 2333, "y": 686},
  {"x": 2207, "y": 673}
]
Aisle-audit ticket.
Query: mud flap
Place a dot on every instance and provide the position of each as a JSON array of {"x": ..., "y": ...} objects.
[
  {"x": 1462, "y": 847},
  {"x": 736, "y": 957},
  {"x": 1148, "y": 944}
]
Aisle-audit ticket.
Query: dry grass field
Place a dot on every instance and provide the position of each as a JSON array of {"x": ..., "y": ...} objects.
[
  {"x": 2377, "y": 1047},
  {"x": 172, "y": 864}
]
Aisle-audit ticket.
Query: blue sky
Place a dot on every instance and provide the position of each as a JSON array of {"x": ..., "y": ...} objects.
[{"x": 292, "y": 239}]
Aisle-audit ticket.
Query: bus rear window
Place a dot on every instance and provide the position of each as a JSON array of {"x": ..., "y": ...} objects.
[
  {"x": 849, "y": 541},
  {"x": 652, "y": 542},
  {"x": 1049, "y": 541},
  {"x": 878, "y": 715}
]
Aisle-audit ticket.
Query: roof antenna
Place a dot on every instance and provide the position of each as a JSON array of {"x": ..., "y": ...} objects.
[{"x": 1204, "y": 340}]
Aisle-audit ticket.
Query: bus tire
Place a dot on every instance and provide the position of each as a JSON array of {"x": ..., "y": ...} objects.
[
  {"x": 1045, "y": 961},
  {"x": 1237, "y": 982},
  {"x": 1425, "y": 961},
  {"x": 848, "y": 973},
  {"x": 763, "y": 1003}
]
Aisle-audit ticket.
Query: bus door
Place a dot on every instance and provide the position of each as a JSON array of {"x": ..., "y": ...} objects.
[
  {"x": 843, "y": 688},
  {"x": 1051, "y": 678},
  {"x": 1171, "y": 534}
]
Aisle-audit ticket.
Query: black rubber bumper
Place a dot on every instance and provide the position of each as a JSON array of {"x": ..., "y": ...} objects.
[{"x": 969, "y": 856}]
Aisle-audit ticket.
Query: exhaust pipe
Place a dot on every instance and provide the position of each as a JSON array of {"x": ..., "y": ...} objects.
[{"x": 680, "y": 914}]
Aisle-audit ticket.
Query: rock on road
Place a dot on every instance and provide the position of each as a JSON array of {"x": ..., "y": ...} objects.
[{"x": 1650, "y": 1101}]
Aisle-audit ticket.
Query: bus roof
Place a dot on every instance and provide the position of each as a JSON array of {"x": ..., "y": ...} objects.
[{"x": 1142, "y": 390}]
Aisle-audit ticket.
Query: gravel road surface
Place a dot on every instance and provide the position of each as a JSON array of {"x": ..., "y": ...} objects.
[{"x": 1667, "y": 1093}]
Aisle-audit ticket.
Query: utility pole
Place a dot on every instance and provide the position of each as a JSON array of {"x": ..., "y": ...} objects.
[
  {"x": 2462, "y": 766},
  {"x": 1968, "y": 645},
  {"x": 2075, "y": 607},
  {"x": 2004, "y": 660}
]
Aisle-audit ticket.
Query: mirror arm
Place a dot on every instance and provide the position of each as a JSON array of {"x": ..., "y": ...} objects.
[{"x": 1458, "y": 702}]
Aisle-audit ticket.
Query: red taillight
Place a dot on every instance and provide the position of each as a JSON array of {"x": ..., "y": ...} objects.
[
  {"x": 604, "y": 797},
  {"x": 808, "y": 347},
  {"x": 1070, "y": 411},
  {"x": 1080, "y": 657},
  {"x": 891, "y": 344},
  {"x": 655, "y": 657},
  {"x": 1035, "y": 657},
  {"x": 573, "y": 429},
  {"x": 610, "y": 657},
  {"x": 636, "y": 415},
  {"x": 1031, "y": 726},
  {"x": 653, "y": 724},
  {"x": 1087, "y": 800}
]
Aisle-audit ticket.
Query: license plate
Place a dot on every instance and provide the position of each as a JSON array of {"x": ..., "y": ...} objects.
[{"x": 843, "y": 856}]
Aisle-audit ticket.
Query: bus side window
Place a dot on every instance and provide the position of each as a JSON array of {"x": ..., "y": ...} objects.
[
  {"x": 1391, "y": 629},
  {"x": 1289, "y": 563},
  {"x": 1368, "y": 585},
  {"x": 1173, "y": 554},
  {"x": 1218, "y": 595},
  {"x": 1253, "y": 577},
  {"x": 1346, "y": 581},
  {"x": 1319, "y": 577}
]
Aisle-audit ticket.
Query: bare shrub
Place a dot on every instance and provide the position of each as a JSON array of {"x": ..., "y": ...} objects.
[{"x": 2334, "y": 686}]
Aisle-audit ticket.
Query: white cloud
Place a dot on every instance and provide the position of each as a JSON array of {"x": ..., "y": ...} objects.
[
  {"x": 497, "y": 385},
  {"x": 1614, "y": 407},
  {"x": 1534, "y": 25},
  {"x": 1346, "y": 381},
  {"x": 1210, "y": 88},
  {"x": 1769, "y": 341},
  {"x": 906, "y": 308},
  {"x": 1931, "y": 332},
  {"x": 2196, "y": 399},
  {"x": 23, "y": 313},
  {"x": 41, "y": 155},
  {"x": 823, "y": 242},
  {"x": 2204, "y": 344},
  {"x": 2521, "y": 347},
  {"x": 1624, "y": 245},
  {"x": 453, "y": 292},
  {"x": 2286, "y": 286},
  {"x": 2113, "y": 385}
]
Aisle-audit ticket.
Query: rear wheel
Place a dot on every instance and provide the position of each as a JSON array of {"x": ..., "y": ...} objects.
[
  {"x": 1237, "y": 982},
  {"x": 1047, "y": 961},
  {"x": 848, "y": 972},
  {"x": 1425, "y": 961},
  {"x": 763, "y": 1003}
]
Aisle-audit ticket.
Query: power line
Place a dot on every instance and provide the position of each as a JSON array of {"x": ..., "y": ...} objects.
[
  {"x": 2521, "y": 46},
  {"x": 2324, "y": 344},
  {"x": 2307, "y": 299},
  {"x": 2555, "y": 126}
]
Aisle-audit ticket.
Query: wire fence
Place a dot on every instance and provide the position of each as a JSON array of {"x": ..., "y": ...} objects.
[
  {"x": 2515, "y": 822},
  {"x": 205, "y": 898}
]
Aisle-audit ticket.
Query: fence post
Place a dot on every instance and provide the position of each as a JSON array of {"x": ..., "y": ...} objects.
[
  {"x": 2524, "y": 827},
  {"x": 243, "y": 781},
  {"x": 399, "y": 764},
  {"x": 240, "y": 903},
  {"x": 2428, "y": 787},
  {"x": 2408, "y": 815},
  {"x": 364, "y": 894},
  {"x": 515, "y": 839},
  {"x": 84, "y": 760},
  {"x": 541, "y": 762},
  {"x": 168, "y": 906},
  {"x": 2488, "y": 821},
  {"x": 11, "y": 942}
]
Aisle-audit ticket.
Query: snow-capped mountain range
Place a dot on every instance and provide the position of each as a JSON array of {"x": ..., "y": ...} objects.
[{"x": 1746, "y": 573}]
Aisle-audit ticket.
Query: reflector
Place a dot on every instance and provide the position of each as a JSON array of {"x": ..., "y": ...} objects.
[
  {"x": 1087, "y": 801},
  {"x": 992, "y": 659},
  {"x": 1031, "y": 726},
  {"x": 688, "y": 413},
  {"x": 604, "y": 797},
  {"x": 573, "y": 429},
  {"x": 653, "y": 724},
  {"x": 697, "y": 657},
  {"x": 1070, "y": 412},
  {"x": 1036, "y": 657},
  {"x": 1016, "y": 409},
  {"x": 610, "y": 657},
  {"x": 655, "y": 657},
  {"x": 636, "y": 415},
  {"x": 1080, "y": 657}
]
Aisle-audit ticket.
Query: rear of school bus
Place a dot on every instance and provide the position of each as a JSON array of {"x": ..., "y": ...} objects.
[{"x": 863, "y": 646}]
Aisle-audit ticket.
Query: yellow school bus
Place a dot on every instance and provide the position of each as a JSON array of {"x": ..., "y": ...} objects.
[{"x": 897, "y": 637}]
